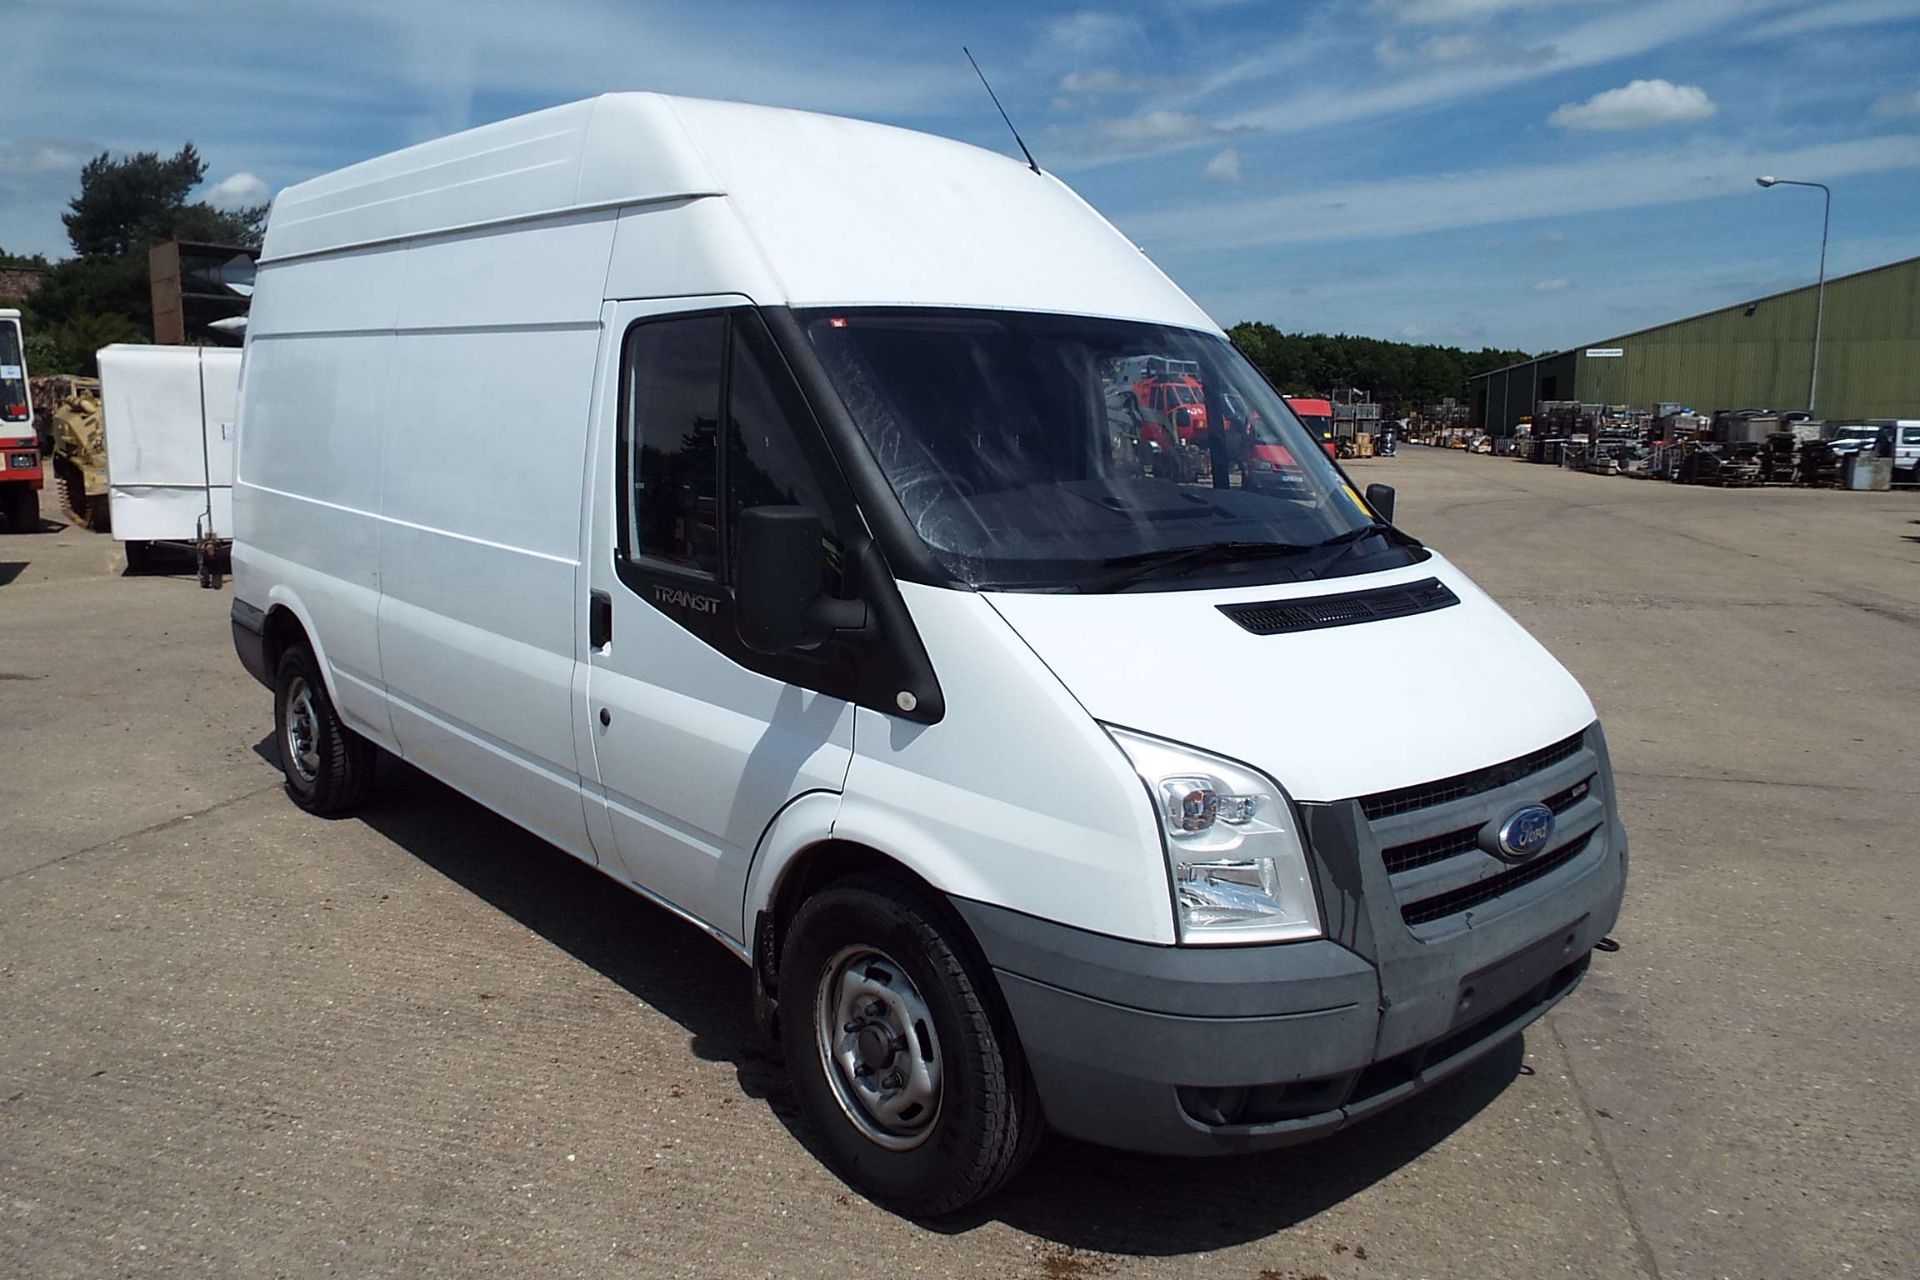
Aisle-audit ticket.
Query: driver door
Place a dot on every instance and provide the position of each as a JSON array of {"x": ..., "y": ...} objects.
[{"x": 695, "y": 750}]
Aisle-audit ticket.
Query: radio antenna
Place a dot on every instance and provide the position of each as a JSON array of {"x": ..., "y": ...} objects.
[{"x": 1003, "y": 111}]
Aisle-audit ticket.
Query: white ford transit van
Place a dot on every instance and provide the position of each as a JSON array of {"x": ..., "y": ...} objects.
[{"x": 772, "y": 511}]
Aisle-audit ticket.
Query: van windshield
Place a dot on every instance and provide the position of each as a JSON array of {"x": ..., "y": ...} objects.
[{"x": 1031, "y": 452}]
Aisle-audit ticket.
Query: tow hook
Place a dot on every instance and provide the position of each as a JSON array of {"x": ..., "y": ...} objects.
[{"x": 1607, "y": 945}]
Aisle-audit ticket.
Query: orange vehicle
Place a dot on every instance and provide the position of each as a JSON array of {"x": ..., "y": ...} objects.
[
  {"x": 1265, "y": 462},
  {"x": 20, "y": 475},
  {"x": 1171, "y": 395},
  {"x": 1317, "y": 417}
]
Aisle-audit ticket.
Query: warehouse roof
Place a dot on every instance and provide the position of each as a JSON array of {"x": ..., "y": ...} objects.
[{"x": 1667, "y": 324}]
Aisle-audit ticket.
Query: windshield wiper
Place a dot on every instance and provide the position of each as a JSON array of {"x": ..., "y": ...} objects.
[
  {"x": 1349, "y": 540},
  {"x": 1133, "y": 567},
  {"x": 1130, "y": 568}
]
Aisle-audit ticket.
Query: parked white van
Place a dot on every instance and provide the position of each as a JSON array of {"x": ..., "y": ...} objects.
[{"x": 754, "y": 504}]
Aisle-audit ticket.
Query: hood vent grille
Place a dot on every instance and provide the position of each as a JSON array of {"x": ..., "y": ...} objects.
[{"x": 1312, "y": 613}]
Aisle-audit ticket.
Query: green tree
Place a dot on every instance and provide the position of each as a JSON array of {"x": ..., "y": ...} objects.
[
  {"x": 125, "y": 206},
  {"x": 1400, "y": 375}
]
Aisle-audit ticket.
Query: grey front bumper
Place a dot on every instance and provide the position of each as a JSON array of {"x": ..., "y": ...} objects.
[{"x": 1197, "y": 1051}]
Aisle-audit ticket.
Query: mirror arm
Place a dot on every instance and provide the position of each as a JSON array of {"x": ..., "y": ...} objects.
[{"x": 829, "y": 615}]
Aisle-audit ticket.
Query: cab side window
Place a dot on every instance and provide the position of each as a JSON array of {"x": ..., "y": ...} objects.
[
  {"x": 766, "y": 465},
  {"x": 673, "y": 387},
  {"x": 715, "y": 426}
]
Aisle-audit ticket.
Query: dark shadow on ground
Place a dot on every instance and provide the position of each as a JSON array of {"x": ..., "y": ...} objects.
[
  {"x": 11, "y": 569},
  {"x": 172, "y": 560},
  {"x": 1082, "y": 1196}
]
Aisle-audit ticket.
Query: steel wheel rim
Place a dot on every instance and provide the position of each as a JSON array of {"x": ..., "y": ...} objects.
[
  {"x": 303, "y": 731},
  {"x": 878, "y": 1047}
]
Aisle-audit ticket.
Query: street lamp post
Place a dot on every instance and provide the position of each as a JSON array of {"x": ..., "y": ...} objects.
[{"x": 1820, "y": 291}]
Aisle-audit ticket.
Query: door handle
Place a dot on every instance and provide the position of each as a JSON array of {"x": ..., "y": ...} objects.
[{"x": 599, "y": 620}]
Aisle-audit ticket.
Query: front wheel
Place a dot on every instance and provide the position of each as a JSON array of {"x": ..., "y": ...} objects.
[
  {"x": 898, "y": 1051},
  {"x": 329, "y": 767}
]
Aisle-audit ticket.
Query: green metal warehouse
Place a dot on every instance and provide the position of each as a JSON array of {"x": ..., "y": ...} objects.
[{"x": 1753, "y": 355}]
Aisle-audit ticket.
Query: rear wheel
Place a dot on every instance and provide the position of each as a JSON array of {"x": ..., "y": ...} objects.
[
  {"x": 898, "y": 1051},
  {"x": 329, "y": 767}
]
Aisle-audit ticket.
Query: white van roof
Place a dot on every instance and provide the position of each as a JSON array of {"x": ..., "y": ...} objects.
[{"x": 837, "y": 211}]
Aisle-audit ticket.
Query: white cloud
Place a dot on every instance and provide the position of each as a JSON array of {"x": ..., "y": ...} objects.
[
  {"x": 1091, "y": 31},
  {"x": 239, "y": 191},
  {"x": 1151, "y": 128},
  {"x": 1829, "y": 17},
  {"x": 42, "y": 155},
  {"x": 1146, "y": 133},
  {"x": 1615, "y": 33},
  {"x": 1640, "y": 104},
  {"x": 1409, "y": 206},
  {"x": 1112, "y": 80},
  {"x": 1440, "y": 48},
  {"x": 1224, "y": 167},
  {"x": 1904, "y": 103},
  {"x": 1553, "y": 285},
  {"x": 1550, "y": 238},
  {"x": 1435, "y": 12}
]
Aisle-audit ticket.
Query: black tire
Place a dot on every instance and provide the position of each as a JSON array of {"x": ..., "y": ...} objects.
[
  {"x": 987, "y": 1119},
  {"x": 21, "y": 508},
  {"x": 334, "y": 772}
]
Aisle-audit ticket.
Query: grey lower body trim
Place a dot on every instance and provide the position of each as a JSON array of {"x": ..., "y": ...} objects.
[{"x": 250, "y": 641}]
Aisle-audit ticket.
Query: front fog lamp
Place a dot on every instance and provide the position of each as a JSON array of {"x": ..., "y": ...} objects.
[{"x": 1238, "y": 865}]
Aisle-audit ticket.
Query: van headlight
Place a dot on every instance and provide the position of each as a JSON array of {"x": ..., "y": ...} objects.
[{"x": 1238, "y": 862}]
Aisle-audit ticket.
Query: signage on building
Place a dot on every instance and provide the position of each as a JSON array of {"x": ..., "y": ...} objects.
[{"x": 1604, "y": 353}]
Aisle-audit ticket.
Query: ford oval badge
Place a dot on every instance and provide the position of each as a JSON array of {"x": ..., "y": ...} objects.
[{"x": 1525, "y": 832}]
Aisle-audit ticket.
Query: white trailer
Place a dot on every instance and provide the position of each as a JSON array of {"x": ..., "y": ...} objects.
[{"x": 169, "y": 423}]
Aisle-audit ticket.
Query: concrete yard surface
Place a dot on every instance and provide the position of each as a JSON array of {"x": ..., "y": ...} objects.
[{"x": 236, "y": 1040}]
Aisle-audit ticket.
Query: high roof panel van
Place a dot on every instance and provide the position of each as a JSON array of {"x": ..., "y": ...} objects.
[{"x": 752, "y": 503}]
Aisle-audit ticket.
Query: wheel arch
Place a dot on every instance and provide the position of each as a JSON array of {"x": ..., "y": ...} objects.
[
  {"x": 288, "y": 623},
  {"x": 805, "y": 852}
]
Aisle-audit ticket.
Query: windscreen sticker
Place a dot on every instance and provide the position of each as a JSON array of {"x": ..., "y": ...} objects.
[
  {"x": 10, "y": 371},
  {"x": 1354, "y": 498}
]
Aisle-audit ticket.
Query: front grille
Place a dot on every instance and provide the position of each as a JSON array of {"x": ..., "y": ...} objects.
[
  {"x": 1385, "y": 804},
  {"x": 1454, "y": 901},
  {"x": 1561, "y": 801},
  {"x": 1405, "y": 857},
  {"x": 1312, "y": 613},
  {"x": 1418, "y": 853}
]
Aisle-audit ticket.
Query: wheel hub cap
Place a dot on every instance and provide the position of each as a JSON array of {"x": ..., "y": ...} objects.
[
  {"x": 303, "y": 731},
  {"x": 877, "y": 1043}
]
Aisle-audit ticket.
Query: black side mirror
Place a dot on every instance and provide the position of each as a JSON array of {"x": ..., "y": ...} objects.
[
  {"x": 778, "y": 604},
  {"x": 1380, "y": 498}
]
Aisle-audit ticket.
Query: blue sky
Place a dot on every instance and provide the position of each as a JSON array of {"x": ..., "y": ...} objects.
[{"x": 1530, "y": 173}]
